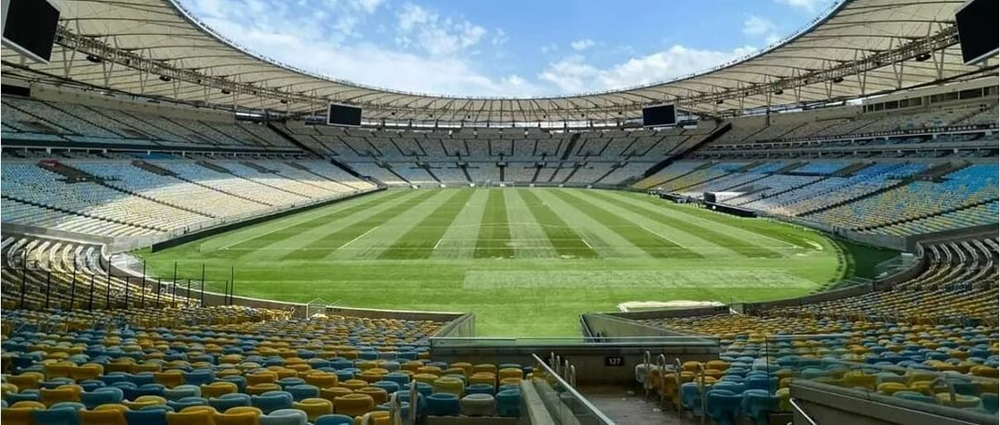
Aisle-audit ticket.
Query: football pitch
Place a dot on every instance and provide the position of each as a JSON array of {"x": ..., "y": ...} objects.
[{"x": 527, "y": 261}]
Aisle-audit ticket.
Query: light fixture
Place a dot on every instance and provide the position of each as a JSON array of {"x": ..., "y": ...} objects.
[
  {"x": 165, "y": 78},
  {"x": 94, "y": 59},
  {"x": 838, "y": 79},
  {"x": 779, "y": 92},
  {"x": 923, "y": 57},
  {"x": 224, "y": 91}
]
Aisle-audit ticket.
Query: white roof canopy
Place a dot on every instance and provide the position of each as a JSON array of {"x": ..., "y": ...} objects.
[{"x": 151, "y": 37}]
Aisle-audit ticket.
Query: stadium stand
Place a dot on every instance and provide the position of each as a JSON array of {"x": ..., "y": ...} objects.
[
  {"x": 895, "y": 341},
  {"x": 963, "y": 188},
  {"x": 87, "y": 342}
]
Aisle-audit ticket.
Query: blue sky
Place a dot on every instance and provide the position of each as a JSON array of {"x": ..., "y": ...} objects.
[{"x": 505, "y": 48}]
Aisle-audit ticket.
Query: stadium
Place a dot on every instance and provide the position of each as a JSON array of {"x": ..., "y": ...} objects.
[{"x": 196, "y": 232}]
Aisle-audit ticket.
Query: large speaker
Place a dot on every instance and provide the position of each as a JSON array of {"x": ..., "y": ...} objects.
[
  {"x": 977, "y": 30},
  {"x": 29, "y": 27}
]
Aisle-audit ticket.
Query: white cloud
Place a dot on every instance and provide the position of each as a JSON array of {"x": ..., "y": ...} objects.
[
  {"x": 305, "y": 40},
  {"x": 755, "y": 25},
  {"x": 807, "y": 5},
  {"x": 499, "y": 37},
  {"x": 581, "y": 45},
  {"x": 428, "y": 31},
  {"x": 432, "y": 54},
  {"x": 574, "y": 74}
]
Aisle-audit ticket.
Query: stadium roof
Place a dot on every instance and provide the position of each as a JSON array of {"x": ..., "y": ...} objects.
[{"x": 154, "y": 47}]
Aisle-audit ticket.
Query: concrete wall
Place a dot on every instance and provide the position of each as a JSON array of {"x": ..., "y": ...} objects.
[
  {"x": 604, "y": 326},
  {"x": 985, "y": 231},
  {"x": 462, "y": 327},
  {"x": 374, "y": 313},
  {"x": 656, "y": 314},
  {"x": 589, "y": 359}
]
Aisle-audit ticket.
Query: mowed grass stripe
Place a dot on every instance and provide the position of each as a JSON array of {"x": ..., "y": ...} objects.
[
  {"x": 305, "y": 226},
  {"x": 565, "y": 240},
  {"x": 736, "y": 244},
  {"x": 459, "y": 241},
  {"x": 526, "y": 234},
  {"x": 494, "y": 231},
  {"x": 746, "y": 224},
  {"x": 420, "y": 241},
  {"x": 322, "y": 247},
  {"x": 654, "y": 245}
]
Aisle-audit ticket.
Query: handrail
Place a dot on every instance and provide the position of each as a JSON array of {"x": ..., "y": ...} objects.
[
  {"x": 590, "y": 408},
  {"x": 701, "y": 391},
  {"x": 646, "y": 385},
  {"x": 661, "y": 363},
  {"x": 798, "y": 408},
  {"x": 395, "y": 409},
  {"x": 414, "y": 402},
  {"x": 678, "y": 369}
]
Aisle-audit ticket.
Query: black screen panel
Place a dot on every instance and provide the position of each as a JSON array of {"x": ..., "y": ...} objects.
[
  {"x": 343, "y": 115},
  {"x": 977, "y": 29},
  {"x": 30, "y": 27},
  {"x": 659, "y": 115}
]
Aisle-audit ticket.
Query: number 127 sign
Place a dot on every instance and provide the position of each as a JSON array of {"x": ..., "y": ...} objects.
[{"x": 614, "y": 361}]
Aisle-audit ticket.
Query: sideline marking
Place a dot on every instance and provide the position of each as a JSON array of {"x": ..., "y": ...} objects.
[
  {"x": 359, "y": 237},
  {"x": 663, "y": 237}
]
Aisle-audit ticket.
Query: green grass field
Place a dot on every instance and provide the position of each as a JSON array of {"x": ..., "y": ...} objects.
[{"x": 526, "y": 261}]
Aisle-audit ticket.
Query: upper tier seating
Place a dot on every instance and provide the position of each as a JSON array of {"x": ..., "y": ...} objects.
[{"x": 32, "y": 119}]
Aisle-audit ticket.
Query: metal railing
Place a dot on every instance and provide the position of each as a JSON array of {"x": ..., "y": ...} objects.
[
  {"x": 565, "y": 404},
  {"x": 800, "y": 411}
]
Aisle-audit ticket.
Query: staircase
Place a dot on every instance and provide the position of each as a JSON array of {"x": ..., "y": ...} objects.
[
  {"x": 72, "y": 174},
  {"x": 790, "y": 167},
  {"x": 572, "y": 145},
  {"x": 718, "y": 132},
  {"x": 576, "y": 167},
  {"x": 149, "y": 167},
  {"x": 306, "y": 169},
  {"x": 936, "y": 172},
  {"x": 213, "y": 167},
  {"x": 256, "y": 167},
  {"x": 850, "y": 170}
]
